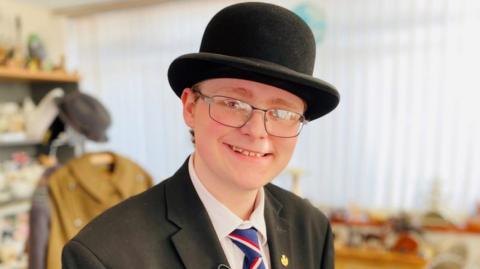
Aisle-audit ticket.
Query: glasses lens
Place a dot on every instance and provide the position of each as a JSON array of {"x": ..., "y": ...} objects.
[
  {"x": 235, "y": 113},
  {"x": 230, "y": 112},
  {"x": 283, "y": 123}
]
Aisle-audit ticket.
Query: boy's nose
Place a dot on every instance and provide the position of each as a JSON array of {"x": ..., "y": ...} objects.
[{"x": 255, "y": 126}]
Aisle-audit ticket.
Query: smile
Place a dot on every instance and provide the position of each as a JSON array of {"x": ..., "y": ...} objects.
[{"x": 247, "y": 153}]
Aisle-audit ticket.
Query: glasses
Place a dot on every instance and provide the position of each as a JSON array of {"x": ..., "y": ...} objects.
[{"x": 235, "y": 113}]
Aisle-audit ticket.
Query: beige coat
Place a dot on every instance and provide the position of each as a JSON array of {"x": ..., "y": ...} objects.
[{"x": 81, "y": 190}]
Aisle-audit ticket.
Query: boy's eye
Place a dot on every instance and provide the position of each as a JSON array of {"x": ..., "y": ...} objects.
[
  {"x": 235, "y": 104},
  {"x": 232, "y": 104}
]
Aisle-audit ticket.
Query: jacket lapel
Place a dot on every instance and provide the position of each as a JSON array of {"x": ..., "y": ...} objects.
[
  {"x": 278, "y": 233},
  {"x": 196, "y": 241},
  {"x": 96, "y": 184}
]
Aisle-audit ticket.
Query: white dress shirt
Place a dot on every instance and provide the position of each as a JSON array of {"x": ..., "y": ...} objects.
[{"x": 225, "y": 221}]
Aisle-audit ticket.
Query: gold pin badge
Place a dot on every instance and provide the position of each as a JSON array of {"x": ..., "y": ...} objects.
[{"x": 284, "y": 260}]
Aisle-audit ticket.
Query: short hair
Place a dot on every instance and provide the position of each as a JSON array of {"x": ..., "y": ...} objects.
[
  {"x": 192, "y": 136},
  {"x": 191, "y": 131}
]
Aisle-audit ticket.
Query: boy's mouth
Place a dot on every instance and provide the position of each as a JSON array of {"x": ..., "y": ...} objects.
[{"x": 247, "y": 152}]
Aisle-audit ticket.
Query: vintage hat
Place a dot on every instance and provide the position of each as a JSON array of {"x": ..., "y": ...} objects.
[
  {"x": 259, "y": 42},
  {"x": 85, "y": 114}
]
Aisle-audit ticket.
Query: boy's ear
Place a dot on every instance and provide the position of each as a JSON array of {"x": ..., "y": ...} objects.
[{"x": 188, "y": 101}]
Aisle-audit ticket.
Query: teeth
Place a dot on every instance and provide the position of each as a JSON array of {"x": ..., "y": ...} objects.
[{"x": 246, "y": 152}]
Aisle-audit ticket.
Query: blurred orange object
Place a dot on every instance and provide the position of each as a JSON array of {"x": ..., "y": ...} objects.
[
  {"x": 473, "y": 223},
  {"x": 406, "y": 243}
]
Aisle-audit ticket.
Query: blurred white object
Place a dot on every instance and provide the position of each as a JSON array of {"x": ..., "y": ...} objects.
[
  {"x": 21, "y": 189},
  {"x": 5, "y": 196},
  {"x": 296, "y": 173},
  {"x": 452, "y": 254},
  {"x": 9, "y": 108},
  {"x": 44, "y": 114},
  {"x": 11, "y": 120},
  {"x": 12, "y": 137},
  {"x": 3, "y": 181},
  {"x": 19, "y": 181},
  {"x": 28, "y": 105}
]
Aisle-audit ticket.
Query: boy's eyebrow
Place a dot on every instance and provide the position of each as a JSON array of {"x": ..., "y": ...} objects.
[
  {"x": 276, "y": 101},
  {"x": 241, "y": 91},
  {"x": 280, "y": 101}
]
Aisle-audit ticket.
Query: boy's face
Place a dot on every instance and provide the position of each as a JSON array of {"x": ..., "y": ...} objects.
[{"x": 217, "y": 157}]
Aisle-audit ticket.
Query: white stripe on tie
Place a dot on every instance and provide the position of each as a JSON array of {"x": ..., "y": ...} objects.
[{"x": 246, "y": 243}]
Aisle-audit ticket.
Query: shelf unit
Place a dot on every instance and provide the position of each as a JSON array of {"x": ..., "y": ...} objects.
[
  {"x": 20, "y": 143},
  {"x": 19, "y": 74},
  {"x": 18, "y": 83},
  {"x": 15, "y": 85},
  {"x": 14, "y": 207}
]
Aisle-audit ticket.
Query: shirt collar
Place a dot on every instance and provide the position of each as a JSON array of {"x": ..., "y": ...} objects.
[{"x": 225, "y": 221}]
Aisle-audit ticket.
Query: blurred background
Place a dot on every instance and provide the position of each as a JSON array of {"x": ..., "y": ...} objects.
[{"x": 396, "y": 166}]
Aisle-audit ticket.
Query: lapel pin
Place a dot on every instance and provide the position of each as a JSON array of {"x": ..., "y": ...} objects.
[{"x": 284, "y": 260}]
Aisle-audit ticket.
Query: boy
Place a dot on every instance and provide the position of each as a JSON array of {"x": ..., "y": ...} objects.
[{"x": 246, "y": 96}]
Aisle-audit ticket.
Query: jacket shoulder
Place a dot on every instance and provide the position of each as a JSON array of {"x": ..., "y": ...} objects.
[
  {"x": 127, "y": 229},
  {"x": 136, "y": 168}
]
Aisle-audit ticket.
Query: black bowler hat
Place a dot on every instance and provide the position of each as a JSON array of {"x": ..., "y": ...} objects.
[
  {"x": 260, "y": 42},
  {"x": 85, "y": 114}
]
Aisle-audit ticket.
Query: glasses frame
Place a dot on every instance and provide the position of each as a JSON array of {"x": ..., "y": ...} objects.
[{"x": 209, "y": 101}]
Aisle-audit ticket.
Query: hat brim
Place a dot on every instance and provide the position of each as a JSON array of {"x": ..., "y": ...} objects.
[{"x": 186, "y": 70}]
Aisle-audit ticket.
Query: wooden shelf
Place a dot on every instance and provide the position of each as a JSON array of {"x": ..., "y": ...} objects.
[
  {"x": 17, "y": 139},
  {"x": 14, "y": 207},
  {"x": 18, "y": 74},
  {"x": 15, "y": 265},
  {"x": 20, "y": 143}
]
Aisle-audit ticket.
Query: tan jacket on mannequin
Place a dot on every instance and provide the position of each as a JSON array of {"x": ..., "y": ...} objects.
[{"x": 81, "y": 190}]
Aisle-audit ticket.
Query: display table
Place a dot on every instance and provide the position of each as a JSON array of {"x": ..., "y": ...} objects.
[
  {"x": 438, "y": 238},
  {"x": 353, "y": 258}
]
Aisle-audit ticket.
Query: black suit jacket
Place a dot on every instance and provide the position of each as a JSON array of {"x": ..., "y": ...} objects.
[{"x": 167, "y": 227}]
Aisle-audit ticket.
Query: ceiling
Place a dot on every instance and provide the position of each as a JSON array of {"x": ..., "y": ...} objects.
[
  {"x": 73, "y": 8},
  {"x": 60, "y": 4}
]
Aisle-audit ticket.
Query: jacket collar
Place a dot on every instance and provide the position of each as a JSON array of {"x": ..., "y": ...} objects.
[
  {"x": 196, "y": 241},
  {"x": 122, "y": 178}
]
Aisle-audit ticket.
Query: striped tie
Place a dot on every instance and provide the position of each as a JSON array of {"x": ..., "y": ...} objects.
[{"x": 247, "y": 241}]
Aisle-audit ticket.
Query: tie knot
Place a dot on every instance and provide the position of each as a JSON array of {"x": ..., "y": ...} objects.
[{"x": 247, "y": 241}]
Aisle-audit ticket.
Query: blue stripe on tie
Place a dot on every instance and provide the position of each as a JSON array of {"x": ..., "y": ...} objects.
[{"x": 247, "y": 241}]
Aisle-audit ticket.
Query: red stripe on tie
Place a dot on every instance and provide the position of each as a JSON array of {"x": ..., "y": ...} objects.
[
  {"x": 255, "y": 263},
  {"x": 246, "y": 240}
]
